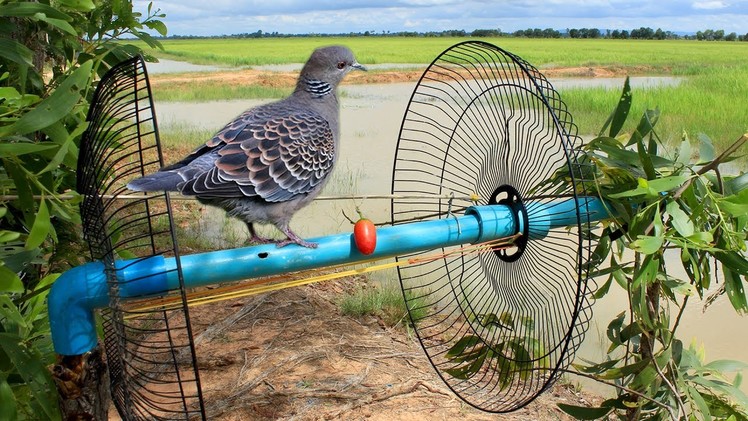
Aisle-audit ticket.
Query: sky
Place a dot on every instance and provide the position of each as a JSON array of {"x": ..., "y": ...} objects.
[{"x": 226, "y": 17}]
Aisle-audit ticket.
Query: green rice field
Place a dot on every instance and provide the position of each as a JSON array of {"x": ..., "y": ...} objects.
[{"x": 712, "y": 97}]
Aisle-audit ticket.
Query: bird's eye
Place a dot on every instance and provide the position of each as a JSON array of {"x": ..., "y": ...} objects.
[{"x": 341, "y": 65}]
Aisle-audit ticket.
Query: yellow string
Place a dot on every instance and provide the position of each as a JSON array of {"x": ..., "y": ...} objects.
[{"x": 277, "y": 283}]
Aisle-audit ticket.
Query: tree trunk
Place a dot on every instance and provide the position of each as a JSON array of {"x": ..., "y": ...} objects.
[{"x": 83, "y": 384}]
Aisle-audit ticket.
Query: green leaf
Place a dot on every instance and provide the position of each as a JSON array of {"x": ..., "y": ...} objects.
[
  {"x": 468, "y": 370},
  {"x": 619, "y": 372},
  {"x": 653, "y": 188},
  {"x": 701, "y": 238},
  {"x": 23, "y": 148},
  {"x": 12, "y": 319},
  {"x": 684, "y": 151},
  {"x": 646, "y": 126},
  {"x": 647, "y": 274},
  {"x": 665, "y": 184},
  {"x": 621, "y": 113},
  {"x": 646, "y": 160},
  {"x": 706, "y": 148},
  {"x": 623, "y": 158},
  {"x": 596, "y": 368},
  {"x": 16, "y": 257},
  {"x": 639, "y": 191},
  {"x": 465, "y": 342},
  {"x": 59, "y": 24},
  {"x": 31, "y": 9},
  {"x": 58, "y": 104},
  {"x": 726, "y": 366},
  {"x": 735, "y": 291},
  {"x": 34, "y": 373},
  {"x": 64, "y": 149},
  {"x": 8, "y": 92},
  {"x": 647, "y": 244},
  {"x": 8, "y": 236},
  {"x": 36, "y": 307},
  {"x": 701, "y": 404},
  {"x": 734, "y": 261},
  {"x": 602, "y": 290},
  {"x": 158, "y": 26},
  {"x": 735, "y": 204},
  {"x": 16, "y": 52},
  {"x": 644, "y": 378},
  {"x": 8, "y": 410},
  {"x": 683, "y": 288},
  {"x": 737, "y": 184},
  {"x": 680, "y": 219},
  {"x": 584, "y": 412},
  {"x": 41, "y": 228},
  {"x": 80, "y": 5},
  {"x": 9, "y": 281},
  {"x": 614, "y": 328}
]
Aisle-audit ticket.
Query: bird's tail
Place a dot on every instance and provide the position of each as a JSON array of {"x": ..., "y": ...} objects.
[{"x": 158, "y": 181}]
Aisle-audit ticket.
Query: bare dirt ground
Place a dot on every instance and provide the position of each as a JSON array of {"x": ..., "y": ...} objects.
[
  {"x": 291, "y": 355},
  {"x": 288, "y": 79}
]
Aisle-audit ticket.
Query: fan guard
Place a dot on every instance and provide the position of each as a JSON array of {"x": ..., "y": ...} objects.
[
  {"x": 150, "y": 353},
  {"x": 484, "y": 126}
]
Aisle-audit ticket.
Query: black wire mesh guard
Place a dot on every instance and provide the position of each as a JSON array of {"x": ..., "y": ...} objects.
[
  {"x": 150, "y": 354},
  {"x": 497, "y": 326}
]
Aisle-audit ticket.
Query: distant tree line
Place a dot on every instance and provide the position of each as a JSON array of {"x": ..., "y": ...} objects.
[{"x": 640, "y": 33}]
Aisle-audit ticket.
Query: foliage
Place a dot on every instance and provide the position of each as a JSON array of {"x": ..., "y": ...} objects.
[
  {"x": 516, "y": 355},
  {"x": 50, "y": 55},
  {"x": 670, "y": 209}
]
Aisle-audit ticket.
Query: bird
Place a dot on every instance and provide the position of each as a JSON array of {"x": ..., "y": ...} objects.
[{"x": 271, "y": 160}]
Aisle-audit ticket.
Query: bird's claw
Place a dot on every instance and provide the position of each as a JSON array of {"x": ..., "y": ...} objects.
[
  {"x": 298, "y": 241},
  {"x": 261, "y": 240}
]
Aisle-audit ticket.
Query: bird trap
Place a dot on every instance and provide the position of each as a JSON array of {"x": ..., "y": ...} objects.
[{"x": 483, "y": 132}]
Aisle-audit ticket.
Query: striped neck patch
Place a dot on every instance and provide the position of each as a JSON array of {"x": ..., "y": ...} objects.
[{"x": 317, "y": 88}]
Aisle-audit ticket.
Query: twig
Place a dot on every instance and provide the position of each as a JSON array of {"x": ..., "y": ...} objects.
[
  {"x": 678, "y": 401},
  {"x": 403, "y": 389}
]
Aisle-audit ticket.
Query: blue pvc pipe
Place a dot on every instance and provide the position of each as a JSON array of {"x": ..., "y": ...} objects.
[{"x": 79, "y": 291}]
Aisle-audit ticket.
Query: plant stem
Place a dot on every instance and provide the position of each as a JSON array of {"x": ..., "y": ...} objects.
[{"x": 623, "y": 388}]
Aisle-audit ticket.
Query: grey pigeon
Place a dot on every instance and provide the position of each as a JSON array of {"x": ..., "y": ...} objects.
[{"x": 273, "y": 159}]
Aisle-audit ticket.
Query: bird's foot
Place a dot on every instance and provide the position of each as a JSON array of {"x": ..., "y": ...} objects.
[
  {"x": 256, "y": 239},
  {"x": 294, "y": 239},
  {"x": 299, "y": 241}
]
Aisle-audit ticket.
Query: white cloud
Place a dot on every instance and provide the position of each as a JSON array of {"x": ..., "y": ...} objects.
[{"x": 709, "y": 5}]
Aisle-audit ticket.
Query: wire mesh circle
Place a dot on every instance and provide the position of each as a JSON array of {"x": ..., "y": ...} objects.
[{"x": 482, "y": 121}]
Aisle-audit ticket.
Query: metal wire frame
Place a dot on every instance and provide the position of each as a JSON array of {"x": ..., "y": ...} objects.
[
  {"x": 496, "y": 331},
  {"x": 151, "y": 355}
]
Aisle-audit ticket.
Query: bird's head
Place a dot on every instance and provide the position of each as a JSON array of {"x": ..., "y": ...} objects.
[{"x": 330, "y": 64}]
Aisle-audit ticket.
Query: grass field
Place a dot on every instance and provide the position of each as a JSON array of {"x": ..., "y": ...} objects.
[
  {"x": 711, "y": 98},
  {"x": 679, "y": 56}
]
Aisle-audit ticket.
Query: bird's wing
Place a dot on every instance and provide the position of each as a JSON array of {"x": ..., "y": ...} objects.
[
  {"x": 224, "y": 136},
  {"x": 275, "y": 158}
]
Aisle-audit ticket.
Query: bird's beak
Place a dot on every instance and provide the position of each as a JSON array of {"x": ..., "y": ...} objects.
[{"x": 359, "y": 66}]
